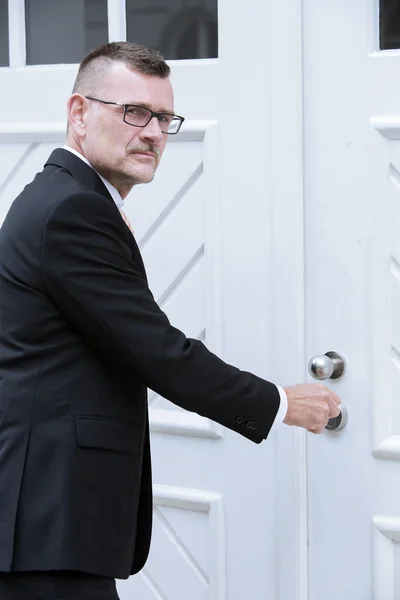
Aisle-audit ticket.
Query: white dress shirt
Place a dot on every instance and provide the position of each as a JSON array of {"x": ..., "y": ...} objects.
[
  {"x": 114, "y": 193},
  {"x": 116, "y": 196}
]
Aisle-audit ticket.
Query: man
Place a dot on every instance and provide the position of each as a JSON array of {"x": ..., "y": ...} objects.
[{"x": 82, "y": 338}]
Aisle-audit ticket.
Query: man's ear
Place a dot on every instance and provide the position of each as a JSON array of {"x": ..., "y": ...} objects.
[{"x": 77, "y": 114}]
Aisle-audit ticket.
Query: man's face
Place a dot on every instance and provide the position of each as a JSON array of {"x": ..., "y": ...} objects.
[{"x": 124, "y": 154}]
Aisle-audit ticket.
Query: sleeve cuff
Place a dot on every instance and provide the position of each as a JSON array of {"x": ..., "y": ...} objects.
[{"x": 282, "y": 410}]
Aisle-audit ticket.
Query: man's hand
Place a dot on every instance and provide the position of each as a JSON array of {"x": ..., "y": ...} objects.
[{"x": 311, "y": 405}]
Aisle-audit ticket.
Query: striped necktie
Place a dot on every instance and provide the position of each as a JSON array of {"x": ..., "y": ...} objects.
[{"x": 125, "y": 218}]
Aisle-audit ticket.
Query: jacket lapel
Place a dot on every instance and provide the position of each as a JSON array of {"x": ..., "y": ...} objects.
[
  {"x": 79, "y": 170},
  {"x": 89, "y": 178}
]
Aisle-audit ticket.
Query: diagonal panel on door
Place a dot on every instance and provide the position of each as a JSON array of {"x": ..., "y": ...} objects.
[{"x": 179, "y": 231}]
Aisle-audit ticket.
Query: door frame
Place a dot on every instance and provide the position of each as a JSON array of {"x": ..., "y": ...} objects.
[
  {"x": 285, "y": 200},
  {"x": 274, "y": 212}
]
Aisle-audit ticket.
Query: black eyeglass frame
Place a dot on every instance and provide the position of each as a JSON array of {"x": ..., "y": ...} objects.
[{"x": 152, "y": 114}]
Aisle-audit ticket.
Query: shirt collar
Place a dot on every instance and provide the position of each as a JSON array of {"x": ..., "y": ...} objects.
[{"x": 114, "y": 193}]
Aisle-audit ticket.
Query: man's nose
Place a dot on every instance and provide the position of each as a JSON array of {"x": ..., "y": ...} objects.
[{"x": 152, "y": 130}]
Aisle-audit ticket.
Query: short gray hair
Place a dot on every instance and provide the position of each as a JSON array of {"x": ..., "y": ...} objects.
[{"x": 136, "y": 57}]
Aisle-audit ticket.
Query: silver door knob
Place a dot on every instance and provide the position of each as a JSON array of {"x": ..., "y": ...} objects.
[
  {"x": 330, "y": 365},
  {"x": 338, "y": 423}
]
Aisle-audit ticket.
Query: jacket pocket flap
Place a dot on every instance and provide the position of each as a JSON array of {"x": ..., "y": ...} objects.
[{"x": 108, "y": 434}]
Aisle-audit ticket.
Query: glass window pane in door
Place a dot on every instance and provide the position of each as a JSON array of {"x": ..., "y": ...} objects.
[
  {"x": 179, "y": 29},
  {"x": 389, "y": 24},
  {"x": 4, "y": 52},
  {"x": 63, "y": 31}
]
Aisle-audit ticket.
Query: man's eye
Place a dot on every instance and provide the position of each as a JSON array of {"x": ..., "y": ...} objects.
[
  {"x": 136, "y": 112},
  {"x": 165, "y": 118}
]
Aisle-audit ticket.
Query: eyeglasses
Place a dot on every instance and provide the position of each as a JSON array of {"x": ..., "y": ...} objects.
[{"x": 138, "y": 116}]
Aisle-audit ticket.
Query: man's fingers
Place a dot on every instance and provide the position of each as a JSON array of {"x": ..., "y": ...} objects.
[
  {"x": 334, "y": 410},
  {"x": 333, "y": 401},
  {"x": 311, "y": 406},
  {"x": 335, "y": 397}
]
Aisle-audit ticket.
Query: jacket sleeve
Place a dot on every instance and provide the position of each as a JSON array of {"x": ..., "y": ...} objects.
[{"x": 89, "y": 273}]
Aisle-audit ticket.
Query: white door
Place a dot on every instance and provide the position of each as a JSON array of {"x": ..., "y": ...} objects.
[
  {"x": 202, "y": 229},
  {"x": 344, "y": 227}
]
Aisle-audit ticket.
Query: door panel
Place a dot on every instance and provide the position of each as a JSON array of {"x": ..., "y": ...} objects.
[
  {"x": 202, "y": 233},
  {"x": 351, "y": 134}
]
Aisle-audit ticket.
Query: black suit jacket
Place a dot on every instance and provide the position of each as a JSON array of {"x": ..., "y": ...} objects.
[{"x": 81, "y": 340}]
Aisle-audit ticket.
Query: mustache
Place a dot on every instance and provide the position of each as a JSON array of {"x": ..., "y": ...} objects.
[{"x": 146, "y": 148}]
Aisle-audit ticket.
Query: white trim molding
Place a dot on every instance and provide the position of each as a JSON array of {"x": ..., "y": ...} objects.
[
  {"x": 193, "y": 131},
  {"x": 388, "y": 126},
  {"x": 188, "y": 498},
  {"x": 389, "y": 448},
  {"x": 17, "y": 43},
  {"x": 38, "y": 132},
  {"x": 212, "y": 237},
  {"x": 386, "y": 534},
  {"x": 389, "y": 527},
  {"x": 176, "y": 422},
  {"x": 116, "y": 10},
  {"x": 288, "y": 260},
  {"x": 54, "y": 131}
]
